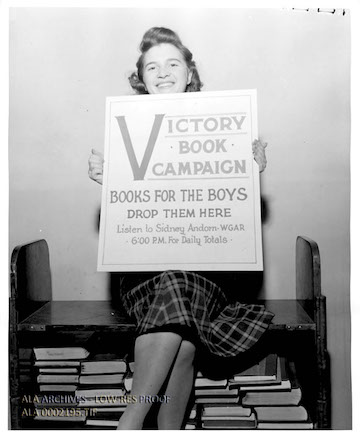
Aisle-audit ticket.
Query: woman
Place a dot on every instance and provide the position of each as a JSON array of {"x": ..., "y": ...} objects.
[{"x": 177, "y": 311}]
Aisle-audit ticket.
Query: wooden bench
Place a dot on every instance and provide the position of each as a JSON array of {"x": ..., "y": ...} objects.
[{"x": 33, "y": 310}]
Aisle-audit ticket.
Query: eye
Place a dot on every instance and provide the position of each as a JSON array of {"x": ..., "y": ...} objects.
[
  {"x": 150, "y": 68},
  {"x": 173, "y": 64}
]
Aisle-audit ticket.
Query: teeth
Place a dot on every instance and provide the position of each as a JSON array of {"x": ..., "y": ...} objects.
[{"x": 165, "y": 84}]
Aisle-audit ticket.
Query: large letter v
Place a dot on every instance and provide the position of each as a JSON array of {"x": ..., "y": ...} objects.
[{"x": 139, "y": 171}]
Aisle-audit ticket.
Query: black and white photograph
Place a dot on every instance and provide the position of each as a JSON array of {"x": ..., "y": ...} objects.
[{"x": 179, "y": 218}]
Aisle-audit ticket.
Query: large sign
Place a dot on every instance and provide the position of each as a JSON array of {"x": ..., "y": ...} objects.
[{"x": 181, "y": 187}]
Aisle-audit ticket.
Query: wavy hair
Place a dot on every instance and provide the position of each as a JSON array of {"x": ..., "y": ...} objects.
[{"x": 154, "y": 37}]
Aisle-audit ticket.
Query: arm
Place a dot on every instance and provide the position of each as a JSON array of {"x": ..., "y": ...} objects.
[
  {"x": 259, "y": 154},
  {"x": 96, "y": 165}
]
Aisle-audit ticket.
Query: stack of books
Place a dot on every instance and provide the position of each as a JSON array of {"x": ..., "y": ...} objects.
[
  {"x": 219, "y": 405},
  {"x": 278, "y": 406},
  {"x": 214, "y": 391},
  {"x": 264, "y": 395},
  {"x": 221, "y": 400},
  {"x": 58, "y": 372},
  {"x": 103, "y": 370},
  {"x": 283, "y": 418},
  {"x": 101, "y": 390},
  {"x": 266, "y": 371},
  {"x": 227, "y": 416},
  {"x": 58, "y": 368},
  {"x": 75, "y": 388},
  {"x": 63, "y": 410}
]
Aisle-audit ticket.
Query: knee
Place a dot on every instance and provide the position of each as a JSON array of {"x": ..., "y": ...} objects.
[{"x": 186, "y": 353}]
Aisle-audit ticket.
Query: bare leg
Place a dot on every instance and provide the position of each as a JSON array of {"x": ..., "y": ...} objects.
[
  {"x": 154, "y": 357},
  {"x": 171, "y": 414}
]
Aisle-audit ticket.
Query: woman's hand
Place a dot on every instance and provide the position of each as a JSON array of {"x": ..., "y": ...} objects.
[
  {"x": 258, "y": 149},
  {"x": 96, "y": 162}
]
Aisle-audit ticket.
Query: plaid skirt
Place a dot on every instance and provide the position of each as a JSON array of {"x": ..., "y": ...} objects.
[{"x": 187, "y": 299}]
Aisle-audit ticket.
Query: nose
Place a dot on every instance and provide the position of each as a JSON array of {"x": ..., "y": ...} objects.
[{"x": 163, "y": 72}]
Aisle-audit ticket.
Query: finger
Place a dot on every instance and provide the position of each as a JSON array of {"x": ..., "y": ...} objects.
[
  {"x": 95, "y": 163},
  {"x": 260, "y": 160},
  {"x": 96, "y": 171},
  {"x": 262, "y": 143},
  {"x": 260, "y": 156},
  {"x": 97, "y": 177},
  {"x": 98, "y": 153},
  {"x": 259, "y": 148},
  {"x": 96, "y": 160},
  {"x": 258, "y": 151},
  {"x": 259, "y": 142},
  {"x": 96, "y": 168}
]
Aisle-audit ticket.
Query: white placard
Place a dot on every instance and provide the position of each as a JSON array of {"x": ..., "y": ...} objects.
[{"x": 181, "y": 187}]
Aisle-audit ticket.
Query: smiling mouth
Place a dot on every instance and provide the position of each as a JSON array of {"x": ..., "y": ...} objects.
[{"x": 165, "y": 84}]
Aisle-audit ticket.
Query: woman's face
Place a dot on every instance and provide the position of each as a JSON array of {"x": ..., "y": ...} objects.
[{"x": 165, "y": 70}]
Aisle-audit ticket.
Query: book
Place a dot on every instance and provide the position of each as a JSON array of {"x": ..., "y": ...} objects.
[
  {"x": 98, "y": 379},
  {"x": 48, "y": 353},
  {"x": 58, "y": 388},
  {"x": 230, "y": 423},
  {"x": 128, "y": 381},
  {"x": 285, "y": 425},
  {"x": 217, "y": 400},
  {"x": 225, "y": 410},
  {"x": 281, "y": 414},
  {"x": 97, "y": 392},
  {"x": 191, "y": 419},
  {"x": 58, "y": 370},
  {"x": 206, "y": 383},
  {"x": 252, "y": 398},
  {"x": 57, "y": 406},
  {"x": 264, "y": 371},
  {"x": 283, "y": 386},
  {"x": 57, "y": 378},
  {"x": 112, "y": 423},
  {"x": 228, "y": 418},
  {"x": 103, "y": 366},
  {"x": 192, "y": 414},
  {"x": 219, "y": 392},
  {"x": 104, "y": 402},
  {"x": 282, "y": 375},
  {"x": 56, "y": 363}
]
